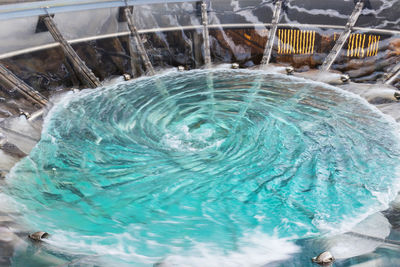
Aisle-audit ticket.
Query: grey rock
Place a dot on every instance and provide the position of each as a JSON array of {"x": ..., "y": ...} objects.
[{"x": 12, "y": 149}]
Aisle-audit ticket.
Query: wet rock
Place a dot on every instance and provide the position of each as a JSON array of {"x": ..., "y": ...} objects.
[
  {"x": 6, "y": 235},
  {"x": 361, "y": 71},
  {"x": 6, "y": 253},
  {"x": 44, "y": 70},
  {"x": 12, "y": 149},
  {"x": 4, "y": 218},
  {"x": 391, "y": 109},
  {"x": 394, "y": 47},
  {"x": 7, "y": 162},
  {"x": 331, "y": 77}
]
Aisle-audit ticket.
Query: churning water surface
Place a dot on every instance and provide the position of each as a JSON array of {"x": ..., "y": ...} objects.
[{"x": 204, "y": 168}]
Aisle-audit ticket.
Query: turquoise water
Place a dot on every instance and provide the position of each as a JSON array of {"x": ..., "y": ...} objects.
[{"x": 218, "y": 167}]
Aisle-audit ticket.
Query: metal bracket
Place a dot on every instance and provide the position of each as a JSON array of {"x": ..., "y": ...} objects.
[
  {"x": 40, "y": 25},
  {"x": 78, "y": 64},
  {"x": 121, "y": 13}
]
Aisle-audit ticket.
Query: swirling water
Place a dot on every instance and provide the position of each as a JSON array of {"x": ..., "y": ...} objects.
[{"x": 222, "y": 167}]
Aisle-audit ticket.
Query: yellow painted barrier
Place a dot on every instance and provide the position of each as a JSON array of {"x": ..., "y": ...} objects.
[
  {"x": 279, "y": 41},
  {"x": 313, "y": 42},
  {"x": 292, "y": 41},
  {"x": 356, "y": 45}
]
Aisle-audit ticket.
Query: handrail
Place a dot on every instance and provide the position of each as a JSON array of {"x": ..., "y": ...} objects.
[
  {"x": 188, "y": 27},
  {"x": 57, "y": 6}
]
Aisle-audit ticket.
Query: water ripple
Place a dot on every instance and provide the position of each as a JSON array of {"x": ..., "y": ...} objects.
[{"x": 151, "y": 169}]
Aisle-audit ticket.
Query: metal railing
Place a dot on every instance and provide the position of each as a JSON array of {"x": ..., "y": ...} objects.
[{"x": 57, "y": 6}]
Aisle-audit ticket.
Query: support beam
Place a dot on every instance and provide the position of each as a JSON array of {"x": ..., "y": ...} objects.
[
  {"x": 272, "y": 32},
  {"x": 393, "y": 74},
  {"x": 78, "y": 64},
  {"x": 343, "y": 36},
  {"x": 206, "y": 35},
  {"x": 134, "y": 59},
  {"x": 197, "y": 49},
  {"x": 10, "y": 80},
  {"x": 138, "y": 41}
]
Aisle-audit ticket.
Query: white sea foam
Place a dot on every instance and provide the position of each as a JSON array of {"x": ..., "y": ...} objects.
[
  {"x": 255, "y": 249},
  {"x": 184, "y": 140}
]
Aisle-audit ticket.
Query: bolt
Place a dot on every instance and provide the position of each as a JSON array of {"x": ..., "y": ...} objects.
[
  {"x": 235, "y": 66},
  {"x": 397, "y": 95},
  {"x": 26, "y": 114},
  {"x": 345, "y": 78},
  {"x": 325, "y": 258},
  {"x": 38, "y": 236},
  {"x": 289, "y": 70},
  {"x": 386, "y": 76},
  {"x": 127, "y": 77}
]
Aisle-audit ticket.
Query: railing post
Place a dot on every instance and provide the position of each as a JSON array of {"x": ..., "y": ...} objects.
[
  {"x": 138, "y": 41},
  {"x": 272, "y": 32},
  {"x": 206, "y": 35},
  {"x": 77, "y": 62},
  {"x": 343, "y": 36}
]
